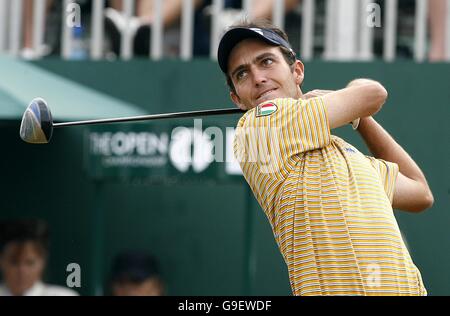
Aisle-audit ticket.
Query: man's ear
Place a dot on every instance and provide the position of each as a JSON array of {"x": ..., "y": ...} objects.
[
  {"x": 299, "y": 72},
  {"x": 236, "y": 100}
]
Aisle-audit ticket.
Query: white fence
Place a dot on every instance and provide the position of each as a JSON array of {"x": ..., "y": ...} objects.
[{"x": 347, "y": 35}]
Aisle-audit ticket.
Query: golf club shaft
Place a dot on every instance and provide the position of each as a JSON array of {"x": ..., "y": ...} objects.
[{"x": 152, "y": 117}]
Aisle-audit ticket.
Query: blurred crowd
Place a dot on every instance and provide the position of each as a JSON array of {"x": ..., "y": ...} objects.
[
  {"x": 140, "y": 25},
  {"x": 25, "y": 253}
]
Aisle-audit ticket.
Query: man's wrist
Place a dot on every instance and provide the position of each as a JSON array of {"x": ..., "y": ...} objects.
[{"x": 363, "y": 122}]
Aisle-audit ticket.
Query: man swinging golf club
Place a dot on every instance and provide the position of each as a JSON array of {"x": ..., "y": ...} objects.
[{"x": 330, "y": 207}]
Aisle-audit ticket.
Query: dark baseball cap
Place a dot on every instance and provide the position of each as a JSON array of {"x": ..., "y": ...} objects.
[{"x": 235, "y": 35}]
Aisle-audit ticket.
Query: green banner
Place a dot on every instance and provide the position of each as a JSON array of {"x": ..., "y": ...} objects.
[{"x": 160, "y": 153}]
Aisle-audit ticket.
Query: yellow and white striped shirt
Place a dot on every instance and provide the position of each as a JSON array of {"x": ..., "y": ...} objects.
[{"x": 329, "y": 206}]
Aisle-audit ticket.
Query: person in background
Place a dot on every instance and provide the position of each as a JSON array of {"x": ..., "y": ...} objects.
[
  {"x": 436, "y": 18},
  {"x": 233, "y": 12},
  {"x": 29, "y": 51},
  {"x": 140, "y": 25},
  {"x": 136, "y": 273},
  {"x": 23, "y": 258}
]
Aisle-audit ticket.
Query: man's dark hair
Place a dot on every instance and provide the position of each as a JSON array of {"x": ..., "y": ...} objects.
[
  {"x": 289, "y": 57},
  {"x": 24, "y": 230},
  {"x": 134, "y": 267}
]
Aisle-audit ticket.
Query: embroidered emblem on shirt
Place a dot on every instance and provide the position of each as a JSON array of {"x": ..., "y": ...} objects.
[{"x": 266, "y": 109}]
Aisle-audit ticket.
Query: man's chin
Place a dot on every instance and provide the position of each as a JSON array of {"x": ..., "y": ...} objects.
[
  {"x": 270, "y": 97},
  {"x": 264, "y": 100}
]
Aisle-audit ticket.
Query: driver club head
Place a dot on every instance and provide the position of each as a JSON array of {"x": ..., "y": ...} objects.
[{"x": 37, "y": 123}]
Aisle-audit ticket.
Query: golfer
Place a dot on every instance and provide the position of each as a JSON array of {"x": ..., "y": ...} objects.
[{"x": 329, "y": 205}]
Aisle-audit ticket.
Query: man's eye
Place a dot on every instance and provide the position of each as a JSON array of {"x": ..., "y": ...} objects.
[
  {"x": 267, "y": 61},
  {"x": 241, "y": 74}
]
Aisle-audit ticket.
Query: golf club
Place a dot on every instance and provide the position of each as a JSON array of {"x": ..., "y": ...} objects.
[{"x": 37, "y": 122}]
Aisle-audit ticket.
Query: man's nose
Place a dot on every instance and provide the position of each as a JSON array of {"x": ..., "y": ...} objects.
[{"x": 259, "y": 77}]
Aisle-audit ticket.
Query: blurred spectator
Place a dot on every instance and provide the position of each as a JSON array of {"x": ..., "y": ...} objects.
[
  {"x": 23, "y": 257},
  {"x": 29, "y": 51},
  {"x": 437, "y": 11},
  {"x": 234, "y": 12},
  {"x": 436, "y": 28},
  {"x": 140, "y": 25},
  {"x": 262, "y": 9},
  {"x": 136, "y": 274}
]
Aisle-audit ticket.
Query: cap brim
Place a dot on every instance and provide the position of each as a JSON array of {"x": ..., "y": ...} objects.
[{"x": 232, "y": 38}]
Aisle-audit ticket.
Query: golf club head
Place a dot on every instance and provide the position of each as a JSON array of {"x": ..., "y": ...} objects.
[{"x": 37, "y": 123}]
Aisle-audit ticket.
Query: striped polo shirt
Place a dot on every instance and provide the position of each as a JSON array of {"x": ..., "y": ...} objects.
[{"x": 329, "y": 206}]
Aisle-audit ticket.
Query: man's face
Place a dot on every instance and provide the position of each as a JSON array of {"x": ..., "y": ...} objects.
[
  {"x": 22, "y": 265},
  {"x": 260, "y": 73}
]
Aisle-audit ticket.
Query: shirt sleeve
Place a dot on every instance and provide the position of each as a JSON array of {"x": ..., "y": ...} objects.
[
  {"x": 388, "y": 172},
  {"x": 304, "y": 125}
]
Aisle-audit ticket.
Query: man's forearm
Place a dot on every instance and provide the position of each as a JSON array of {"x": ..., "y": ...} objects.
[{"x": 383, "y": 146}]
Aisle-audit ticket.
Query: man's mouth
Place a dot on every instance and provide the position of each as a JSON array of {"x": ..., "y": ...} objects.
[{"x": 263, "y": 95}]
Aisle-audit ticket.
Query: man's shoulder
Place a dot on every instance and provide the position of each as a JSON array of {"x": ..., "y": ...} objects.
[
  {"x": 280, "y": 102},
  {"x": 56, "y": 290},
  {"x": 41, "y": 289},
  {"x": 244, "y": 118},
  {"x": 267, "y": 109}
]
